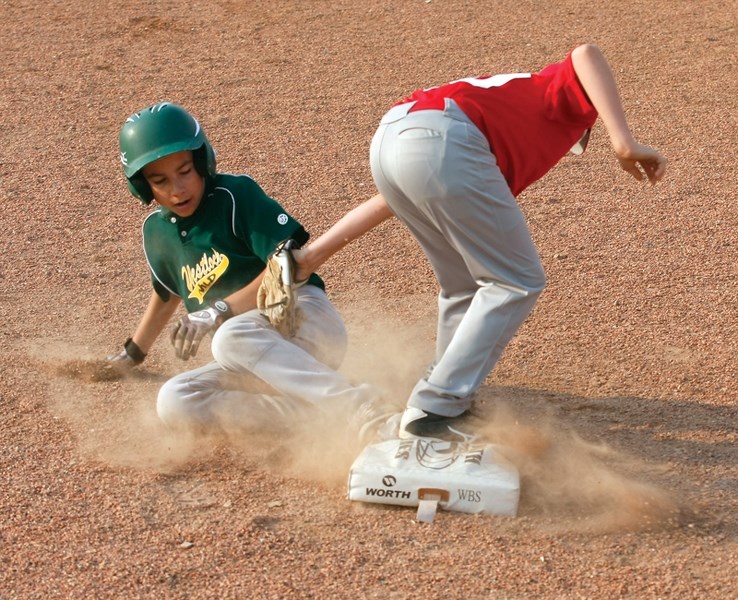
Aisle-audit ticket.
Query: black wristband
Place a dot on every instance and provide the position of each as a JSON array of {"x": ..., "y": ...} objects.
[
  {"x": 137, "y": 355},
  {"x": 223, "y": 309}
]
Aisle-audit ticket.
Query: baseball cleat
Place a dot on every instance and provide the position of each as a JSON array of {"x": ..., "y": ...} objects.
[{"x": 417, "y": 423}]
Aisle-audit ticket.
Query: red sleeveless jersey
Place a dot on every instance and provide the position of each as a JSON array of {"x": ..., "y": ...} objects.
[{"x": 531, "y": 120}]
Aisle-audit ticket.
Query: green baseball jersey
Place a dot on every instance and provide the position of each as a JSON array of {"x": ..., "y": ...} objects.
[{"x": 222, "y": 246}]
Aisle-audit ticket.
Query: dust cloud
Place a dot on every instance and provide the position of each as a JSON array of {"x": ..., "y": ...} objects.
[
  {"x": 576, "y": 484},
  {"x": 581, "y": 486},
  {"x": 387, "y": 353}
]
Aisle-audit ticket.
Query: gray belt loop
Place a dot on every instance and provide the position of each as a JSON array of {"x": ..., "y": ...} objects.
[
  {"x": 397, "y": 112},
  {"x": 453, "y": 111}
]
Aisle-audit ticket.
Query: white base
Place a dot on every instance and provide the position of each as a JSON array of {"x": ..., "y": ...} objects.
[{"x": 470, "y": 479}]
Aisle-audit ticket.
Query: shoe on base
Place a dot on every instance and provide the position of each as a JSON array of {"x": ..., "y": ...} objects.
[
  {"x": 376, "y": 422},
  {"x": 417, "y": 423}
]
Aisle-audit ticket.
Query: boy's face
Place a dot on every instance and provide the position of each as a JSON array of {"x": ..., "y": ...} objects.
[{"x": 175, "y": 183}]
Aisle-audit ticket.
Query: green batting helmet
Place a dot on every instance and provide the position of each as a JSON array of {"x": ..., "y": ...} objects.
[{"x": 156, "y": 131}]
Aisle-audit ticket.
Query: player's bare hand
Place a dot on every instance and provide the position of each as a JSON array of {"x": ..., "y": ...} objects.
[
  {"x": 189, "y": 331},
  {"x": 643, "y": 162}
]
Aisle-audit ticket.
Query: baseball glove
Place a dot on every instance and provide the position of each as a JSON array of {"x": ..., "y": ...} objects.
[{"x": 276, "y": 298}]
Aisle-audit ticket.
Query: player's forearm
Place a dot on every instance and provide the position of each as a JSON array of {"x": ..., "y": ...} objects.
[
  {"x": 352, "y": 225},
  {"x": 155, "y": 318},
  {"x": 596, "y": 77}
]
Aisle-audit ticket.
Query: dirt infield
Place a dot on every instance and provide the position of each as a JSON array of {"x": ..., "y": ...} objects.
[{"x": 618, "y": 396}]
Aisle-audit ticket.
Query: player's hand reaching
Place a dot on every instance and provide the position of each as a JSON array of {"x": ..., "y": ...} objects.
[
  {"x": 129, "y": 357},
  {"x": 190, "y": 329},
  {"x": 640, "y": 161}
]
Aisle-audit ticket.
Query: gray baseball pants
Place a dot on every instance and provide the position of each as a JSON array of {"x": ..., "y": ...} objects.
[
  {"x": 247, "y": 351},
  {"x": 438, "y": 175}
]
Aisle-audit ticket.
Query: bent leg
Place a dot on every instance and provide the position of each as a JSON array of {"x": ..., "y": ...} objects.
[
  {"x": 299, "y": 372},
  {"x": 302, "y": 367},
  {"x": 209, "y": 397}
]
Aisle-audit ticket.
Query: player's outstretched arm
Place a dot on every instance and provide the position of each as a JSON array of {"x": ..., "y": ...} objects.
[
  {"x": 352, "y": 225},
  {"x": 155, "y": 318},
  {"x": 152, "y": 323},
  {"x": 597, "y": 79}
]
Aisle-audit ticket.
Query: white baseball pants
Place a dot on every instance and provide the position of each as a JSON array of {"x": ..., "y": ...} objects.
[{"x": 438, "y": 175}]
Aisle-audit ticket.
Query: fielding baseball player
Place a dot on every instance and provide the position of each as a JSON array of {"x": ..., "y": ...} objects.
[
  {"x": 448, "y": 161},
  {"x": 206, "y": 246}
]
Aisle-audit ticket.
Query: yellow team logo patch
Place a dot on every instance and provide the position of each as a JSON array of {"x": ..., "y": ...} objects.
[{"x": 200, "y": 278}]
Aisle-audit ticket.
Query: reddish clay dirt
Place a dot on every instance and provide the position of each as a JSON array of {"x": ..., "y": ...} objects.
[{"x": 617, "y": 398}]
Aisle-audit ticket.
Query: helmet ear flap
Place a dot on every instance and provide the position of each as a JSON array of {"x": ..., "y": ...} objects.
[
  {"x": 211, "y": 160},
  {"x": 204, "y": 158},
  {"x": 140, "y": 188}
]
